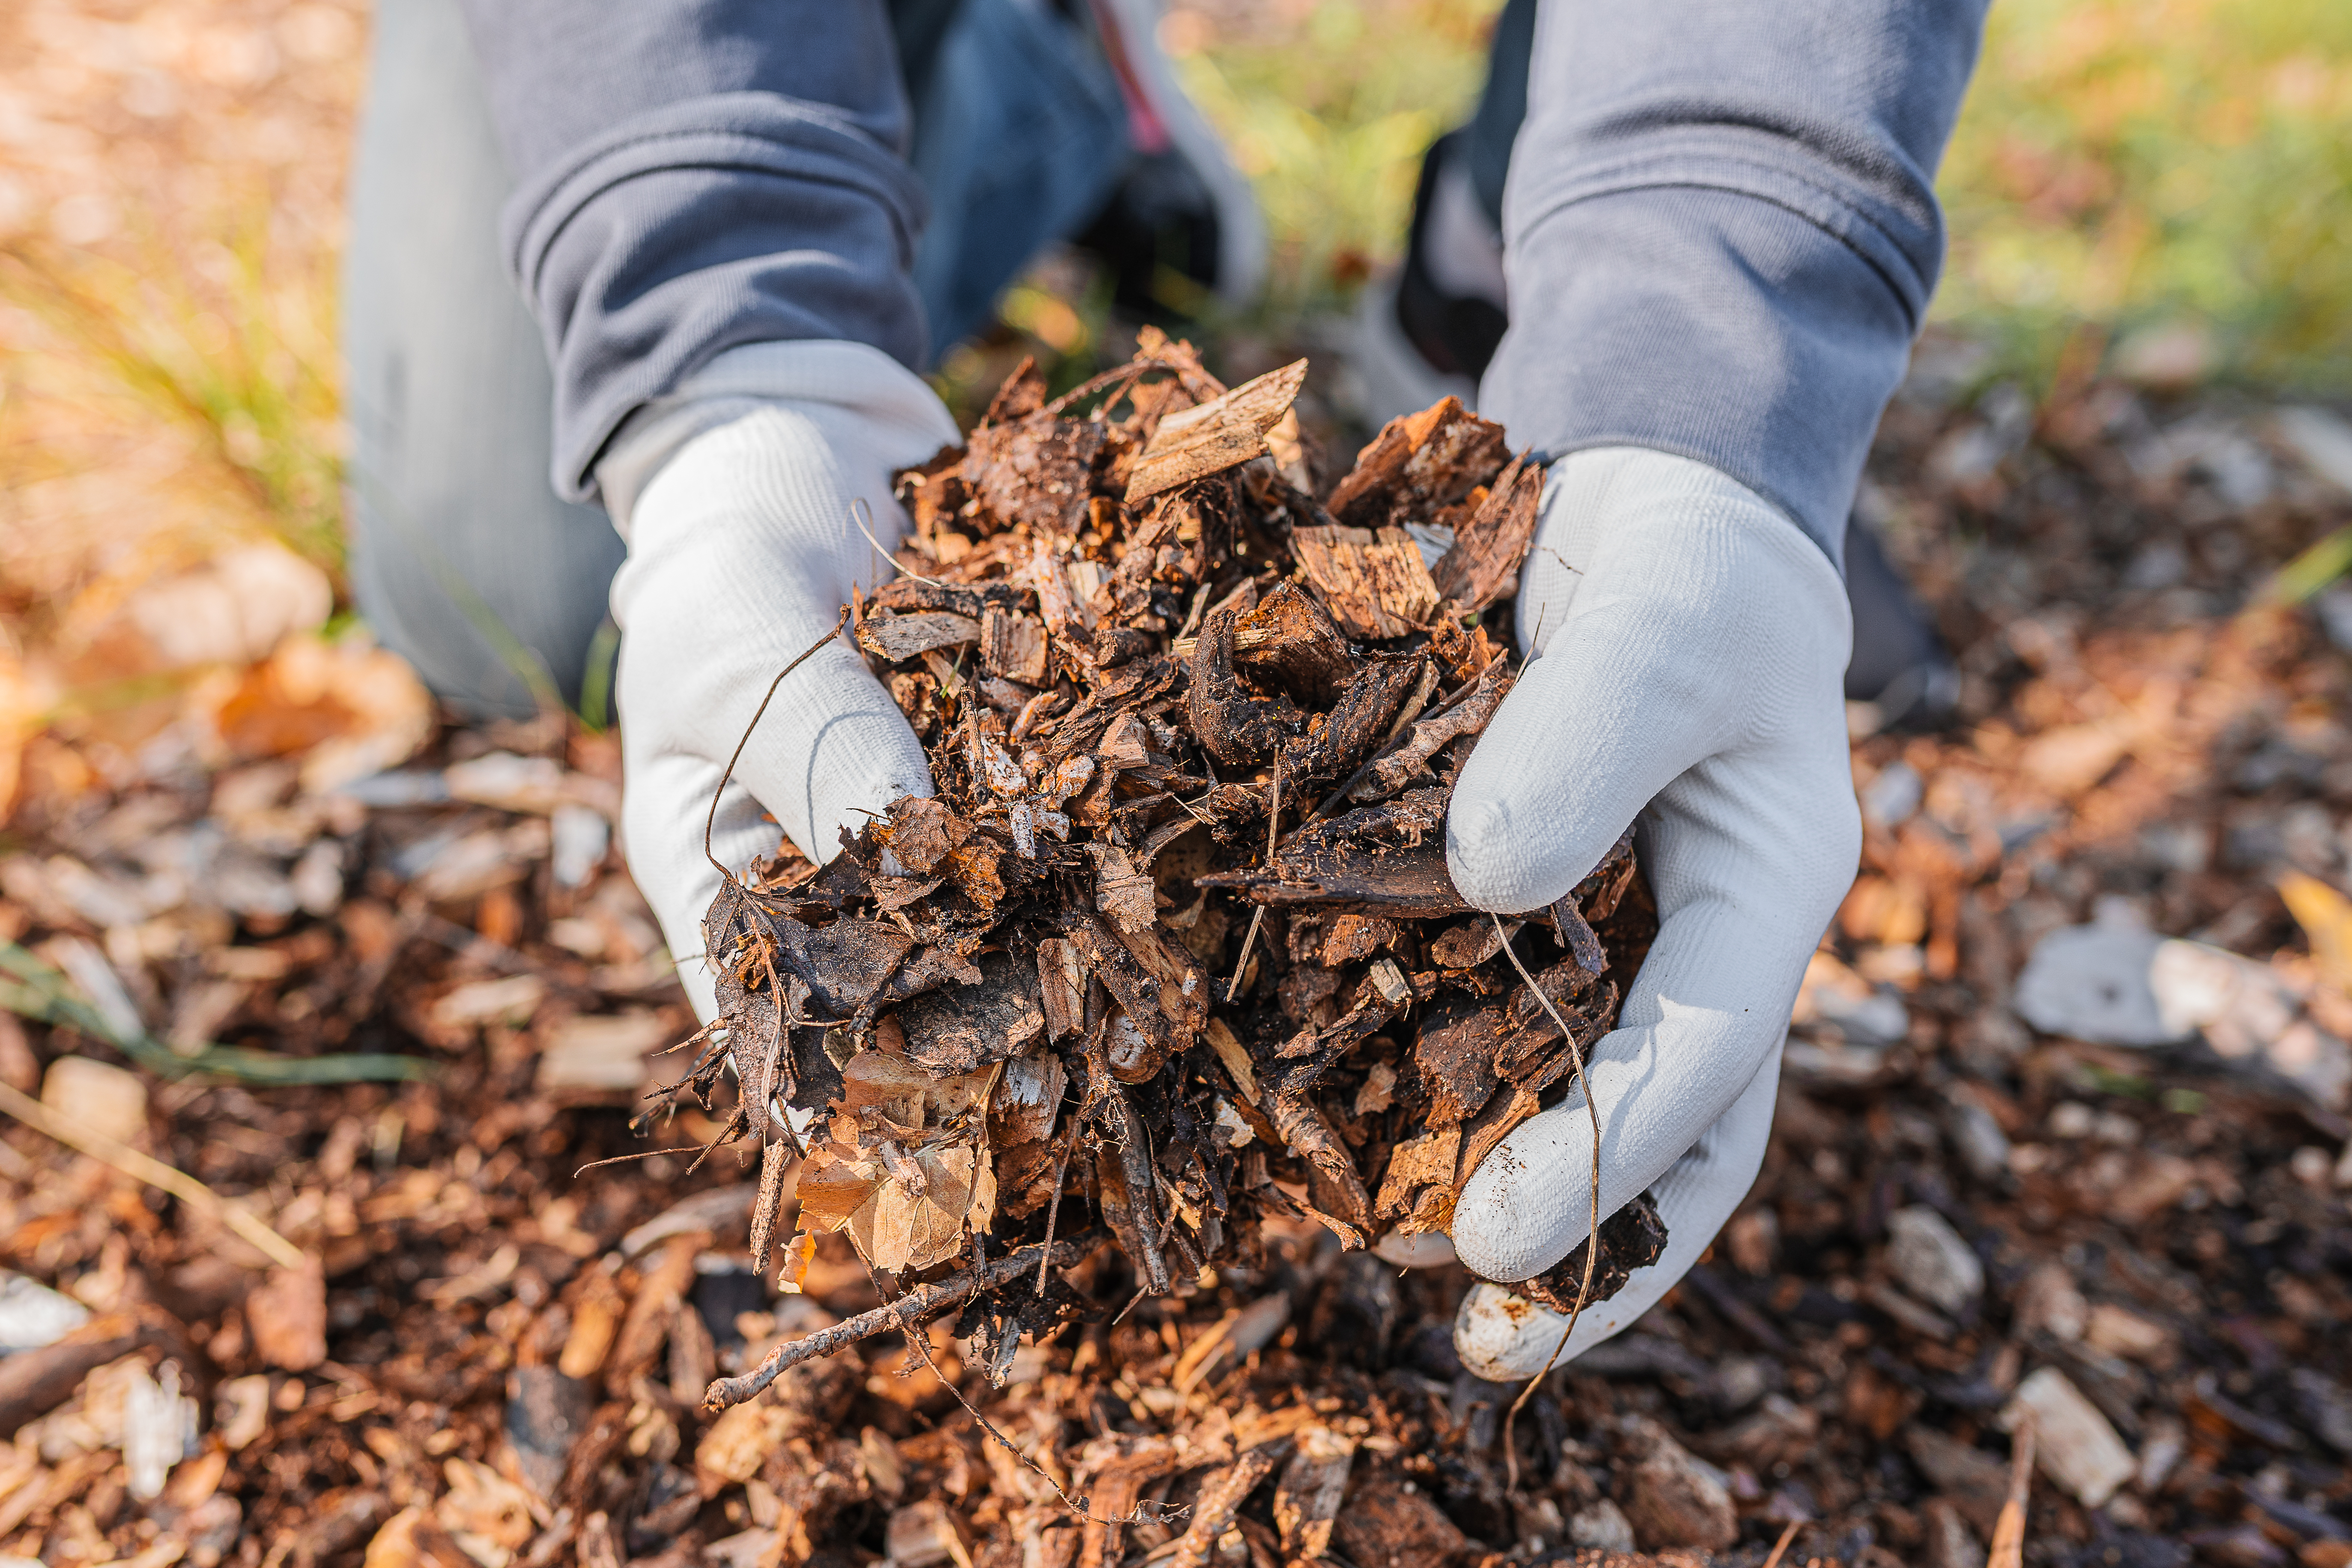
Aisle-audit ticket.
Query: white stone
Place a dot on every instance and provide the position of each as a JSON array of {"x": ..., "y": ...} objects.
[
  {"x": 2074, "y": 1443},
  {"x": 1931, "y": 1261},
  {"x": 104, "y": 1098},
  {"x": 2091, "y": 983},
  {"x": 1979, "y": 1140},
  {"x": 1603, "y": 1525},
  {"x": 32, "y": 1315}
]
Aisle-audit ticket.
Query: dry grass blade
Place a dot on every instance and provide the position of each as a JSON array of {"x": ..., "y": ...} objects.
[
  {"x": 1257, "y": 916},
  {"x": 712, "y": 821},
  {"x": 862, "y": 515},
  {"x": 153, "y": 1171},
  {"x": 1592, "y": 1232},
  {"x": 1781, "y": 1547}
]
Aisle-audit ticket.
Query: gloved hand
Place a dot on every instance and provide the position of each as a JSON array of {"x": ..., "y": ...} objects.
[
  {"x": 735, "y": 498},
  {"x": 1689, "y": 645}
]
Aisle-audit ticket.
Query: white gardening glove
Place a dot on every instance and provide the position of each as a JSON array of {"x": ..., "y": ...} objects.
[
  {"x": 1688, "y": 657},
  {"x": 735, "y": 496}
]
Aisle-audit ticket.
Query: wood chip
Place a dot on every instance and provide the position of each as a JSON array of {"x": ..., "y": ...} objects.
[{"x": 1217, "y": 435}]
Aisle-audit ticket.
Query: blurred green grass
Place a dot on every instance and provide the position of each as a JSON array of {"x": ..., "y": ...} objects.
[{"x": 2175, "y": 172}]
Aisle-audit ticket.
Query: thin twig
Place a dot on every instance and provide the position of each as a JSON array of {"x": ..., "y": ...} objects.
[
  {"x": 922, "y": 1301},
  {"x": 1257, "y": 916},
  {"x": 1781, "y": 1547},
  {"x": 1592, "y": 1233},
  {"x": 712, "y": 821},
  {"x": 153, "y": 1171},
  {"x": 1061, "y": 1175},
  {"x": 646, "y": 1154}
]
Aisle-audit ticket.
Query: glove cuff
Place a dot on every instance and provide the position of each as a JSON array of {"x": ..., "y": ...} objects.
[{"x": 899, "y": 420}]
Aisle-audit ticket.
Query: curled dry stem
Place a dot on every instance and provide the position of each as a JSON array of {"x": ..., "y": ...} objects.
[{"x": 1591, "y": 1235}]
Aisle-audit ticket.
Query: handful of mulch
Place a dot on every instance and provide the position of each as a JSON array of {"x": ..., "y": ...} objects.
[{"x": 1173, "y": 947}]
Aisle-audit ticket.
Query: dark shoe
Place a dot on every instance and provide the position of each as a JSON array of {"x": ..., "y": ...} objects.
[
  {"x": 1427, "y": 329},
  {"x": 1899, "y": 668},
  {"x": 1183, "y": 224}
]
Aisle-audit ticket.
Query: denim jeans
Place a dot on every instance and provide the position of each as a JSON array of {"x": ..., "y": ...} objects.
[{"x": 463, "y": 559}]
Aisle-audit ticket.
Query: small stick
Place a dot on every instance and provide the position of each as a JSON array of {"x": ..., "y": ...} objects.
[
  {"x": 921, "y": 1302},
  {"x": 1257, "y": 916},
  {"x": 1061, "y": 1175},
  {"x": 153, "y": 1171},
  {"x": 2008, "y": 1530},
  {"x": 1592, "y": 1233},
  {"x": 1219, "y": 1500},
  {"x": 1780, "y": 1546}
]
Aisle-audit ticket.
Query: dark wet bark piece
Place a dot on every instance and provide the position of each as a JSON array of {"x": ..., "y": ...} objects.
[
  {"x": 959, "y": 1028},
  {"x": 897, "y": 639},
  {"x": 1357, "y": 723},
  {"x": 1628, "y": 929},
  {"x": 1374, "y": 584},
  {"x": 1535, "y": 1059},
  {"x": 907, "y": 595},
  {"x": 1568, "y": 923},
  {"x": 1138, "y": 685},
  {"x": 1290, "y": 641},
  {"x": 1123, "y": 1172},
  {"x": 1390, "y": 1521},
  {"x": 1419, "y": 465},
  {"x": 1454, "y": 1055},
  {"x": 1012, "y": 647},
  {"x": 1215, "y": 436},
  {"x": 1236, "y": 728},
  {"x": 1597, "y": 896},
  {"x": 1036, "y": 472},
  {"x": 1483, "y": 564},
  {"x": 1384, "y": 859},
  {"x": 845, "y": 963},
  {"x": 1426, "y": 737},
  {"x": 1410, "y": 882},
  {"x": 1634, "y": 1237},
  {"x": 1115, "y": 646}
]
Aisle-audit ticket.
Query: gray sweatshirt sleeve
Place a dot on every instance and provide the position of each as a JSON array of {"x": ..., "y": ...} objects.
[
  {"x": 1721, "y": 232},
  {"x": 694, "y": 174}
]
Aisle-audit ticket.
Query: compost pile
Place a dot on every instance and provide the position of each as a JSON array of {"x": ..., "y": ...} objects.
[
  {"x": 1968, "y": 1212},
  {"x": 1174, "y": 946}
]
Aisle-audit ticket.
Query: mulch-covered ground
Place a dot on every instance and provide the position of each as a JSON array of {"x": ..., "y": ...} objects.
[{"x": 480, "y": 1356}]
